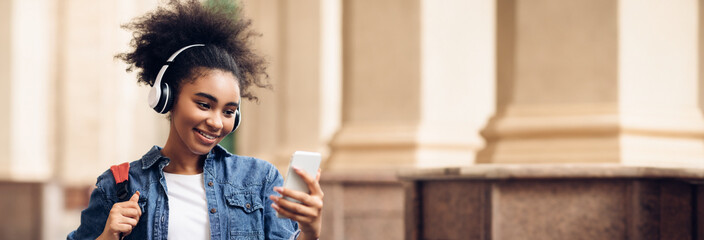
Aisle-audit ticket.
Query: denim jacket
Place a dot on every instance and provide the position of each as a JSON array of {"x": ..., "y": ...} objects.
[{"x": 237, "y": 191}]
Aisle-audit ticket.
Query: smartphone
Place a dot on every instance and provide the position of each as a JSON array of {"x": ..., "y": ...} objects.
[{"x": 309, "y": 162}]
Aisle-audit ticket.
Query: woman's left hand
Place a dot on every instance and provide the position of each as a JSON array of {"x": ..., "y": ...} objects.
[{"x": 309, "y": 212}]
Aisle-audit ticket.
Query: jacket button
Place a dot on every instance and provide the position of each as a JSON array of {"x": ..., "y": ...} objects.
[
  {"x": 210, "y": 183},
  {"x": 247, "y": 205},
  {"x": 213, "y": 210}
]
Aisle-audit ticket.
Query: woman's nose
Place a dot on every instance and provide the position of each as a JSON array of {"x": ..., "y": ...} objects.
[{"x": 214, "y": 122}]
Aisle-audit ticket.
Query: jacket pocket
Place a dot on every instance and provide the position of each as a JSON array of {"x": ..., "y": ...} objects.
[
  {"x": 245, "y": 213},
  {"x": 246, "y": 200}
]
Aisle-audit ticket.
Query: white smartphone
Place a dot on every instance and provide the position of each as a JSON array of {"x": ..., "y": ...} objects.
[{"x": 309, "y": 162}]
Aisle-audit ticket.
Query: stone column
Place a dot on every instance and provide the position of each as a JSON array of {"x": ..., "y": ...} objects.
[
  {"x": 27, "y": 67},
  {"x": 103, "y": 117},
  {"x": 5, "y": 85},
  {"x": 700, "y": 59},
  {"x": 417, "y": 83},
  {"x": 257, "y": 134},
  {"x": 301, "y": 40},
  {"x": 596, "y": 81}
]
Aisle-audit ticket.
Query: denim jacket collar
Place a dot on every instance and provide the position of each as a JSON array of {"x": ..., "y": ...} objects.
[{"x": 154, "y": 155}]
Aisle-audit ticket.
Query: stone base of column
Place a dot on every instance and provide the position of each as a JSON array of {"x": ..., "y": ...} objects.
[
  {"x": 22, "y": 210},
  {"x": 555, "y": 201},
  {"x": 595, "y": 134},
  {"x": 362, "y": 206},
  {"x": 389, "y": 147}
]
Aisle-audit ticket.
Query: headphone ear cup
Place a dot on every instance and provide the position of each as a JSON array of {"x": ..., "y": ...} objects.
[
  {"x": 160, "y": 99},
  {"x": 168, "y": 98},
  {"x": 165, "y": 100},
  {"x": 238, "y": 119}
]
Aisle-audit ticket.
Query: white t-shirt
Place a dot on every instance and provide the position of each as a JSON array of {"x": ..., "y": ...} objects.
[{"x": 188, "y": 208}]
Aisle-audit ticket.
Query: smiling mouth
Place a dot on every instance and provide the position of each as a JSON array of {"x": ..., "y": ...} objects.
[{"x": 207, "y": 136}]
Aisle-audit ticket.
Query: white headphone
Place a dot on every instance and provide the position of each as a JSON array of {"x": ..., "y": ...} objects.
[{"x": 160, "y": 96}]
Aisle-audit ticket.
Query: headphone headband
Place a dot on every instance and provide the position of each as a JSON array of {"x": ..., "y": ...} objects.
[
  {"x": 171, "y": 59},
  {"x": 155, "y": 94}
]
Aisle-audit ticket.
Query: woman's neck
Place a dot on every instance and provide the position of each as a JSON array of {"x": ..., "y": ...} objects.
[{"x": 183, "y": 161}]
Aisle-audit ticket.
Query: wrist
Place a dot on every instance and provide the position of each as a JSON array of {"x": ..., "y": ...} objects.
[
  {"x": 307, "y": 236},
  {"x": 107, "y": 236}
]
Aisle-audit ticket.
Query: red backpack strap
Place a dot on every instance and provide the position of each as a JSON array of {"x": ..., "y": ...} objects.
[{"x": 121, "y": 173}]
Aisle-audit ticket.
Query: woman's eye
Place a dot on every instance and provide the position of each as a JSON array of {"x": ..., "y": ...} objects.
[
  {"x": 229, "y": 112},
  {"x": 203, "y": 105}
]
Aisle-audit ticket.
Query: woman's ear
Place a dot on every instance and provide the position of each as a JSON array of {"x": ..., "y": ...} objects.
[{"x": 170, "y": 115}]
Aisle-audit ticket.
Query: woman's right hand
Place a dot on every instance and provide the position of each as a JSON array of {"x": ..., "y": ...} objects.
[{"x": 122, "y": 219}]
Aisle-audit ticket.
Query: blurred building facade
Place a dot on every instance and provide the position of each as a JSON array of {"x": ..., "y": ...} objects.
[{"x": 392, "y": 92}]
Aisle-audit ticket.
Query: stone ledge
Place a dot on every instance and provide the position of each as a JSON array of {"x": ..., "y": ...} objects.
[
  {"x": 553, "y": 171},
  {"x": 357, "y": 177}
]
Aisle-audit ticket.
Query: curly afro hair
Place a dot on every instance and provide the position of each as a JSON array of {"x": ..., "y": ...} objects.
[{"x": 218, "y": 24}]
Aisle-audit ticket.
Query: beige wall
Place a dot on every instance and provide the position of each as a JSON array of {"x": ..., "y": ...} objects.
[
  {"x": 458, "y": 72},
  {"x": 565, "y": 45},
  {"x": 381, "y": 61},
  {"x": 73, "y": 110},
  {"x": 375, "y": 85},
  {"x": 597, "y": 81},
  {"x": 301, "y": 40},
  {"x": 371, "y": 84},
  {"x": 415, "y": 92}
]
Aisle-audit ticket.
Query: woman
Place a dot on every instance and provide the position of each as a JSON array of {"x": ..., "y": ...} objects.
[{"x": 198, "y": 60}]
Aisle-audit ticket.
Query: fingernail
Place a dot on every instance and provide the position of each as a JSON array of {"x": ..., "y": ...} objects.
[
  {"x": 278, "y": 189},
  {"x": 273, "y": 198},
  {"x": 274, "y": 206}
]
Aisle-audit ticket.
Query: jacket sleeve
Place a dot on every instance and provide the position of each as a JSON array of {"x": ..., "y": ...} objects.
[
  {"x": 275, "y": 227},
  {"x": 93, "y": 218}
]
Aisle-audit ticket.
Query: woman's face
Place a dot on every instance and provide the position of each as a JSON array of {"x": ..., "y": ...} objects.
[{"x": 205, "y": 110}]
